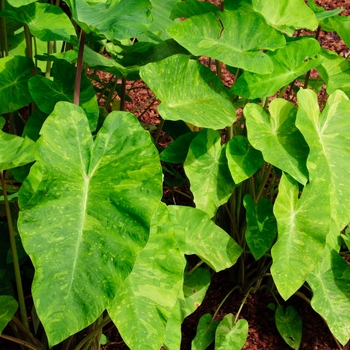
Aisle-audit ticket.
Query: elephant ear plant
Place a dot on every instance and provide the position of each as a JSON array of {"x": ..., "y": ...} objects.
[{"x": 263, "y": 166}]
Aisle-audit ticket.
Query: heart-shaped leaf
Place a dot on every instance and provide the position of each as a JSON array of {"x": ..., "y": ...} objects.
[
  {"x": 230, "y": 335},
  {"x": 243, "y": 160},
  {"x": 112, "y": 18},
  {"x": 206, "y": 168},
  {"x": 329, "y": 140},
  {"x": 261, "y": 225},
  {"x": 302, "y": 228},
  {"x": 201, "y": 235},
  {"x": 289, "y": 63},
  {"x": 205, "y": 333},
  {"x": 85, "y": 214},
  {"x": 45, "y": 21},
  {"x": 147, "y": 297},
  {"x": 289, "y": 325},
  {"x": 14, "y": 75},
  {"x": 286, "y": 16},
  {"x": 330, "y": 283},
  {"x": 277, "y": 137},
  {"x": 46, "y": 93},
  {"x": 233, "y": 37},
  {"x": 197, "y": 96}
]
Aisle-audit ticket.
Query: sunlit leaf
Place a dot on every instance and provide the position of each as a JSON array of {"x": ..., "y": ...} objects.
[
  {"x": 194, "y": 290},
  {"x": 15, "y": 151},
  {"x": 230, "y": 335},
  {"x": 243, "y": 160},
  {"x": 341, "y": 24},
  {"x": 329, "y": 141},
  {"x": 207, "y": 169},
  {"x": 277, "y": 137},
  {"x": 112, "y": 18},
  {"x": 286, "y": 16},
  {"x": 147, "y": 297},
  {"x": 201, "y": 235},
  {"x": 302, "y": 228},
  {"x": 45, "y": 21},
  {"x": 85, "y": 214},
  {"x": 289, "y": 63},
  {"x": 189, "y": 8},
  {"x": 233, "y": 37},
  {"x": 330, "y": 283},
  {"x": 197, "y": 96}
]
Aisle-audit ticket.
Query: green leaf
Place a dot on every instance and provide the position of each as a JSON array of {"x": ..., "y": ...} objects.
[
  {"x": 330, "y": 283},
  {"x": 243, "y": 160},
  {"x": 329, "y": 141},
  {"x": 206, "y": 168},
  {"x": 112, "y": 18},
  {"x": 201, "y": 235},
  {"x": 8, "y": 307},
  {"x": 189, "y": 8},
  {"x": 205, "y": 333},
  {"x": 277, "y": 137},
  {"x": 233, "y": 37},
  {"x": 176, "y": 152},
  {"x": 286, "y": 16},
  {"x": 289, "y": 325},
  {"x": 341, "y": 25},
  {"x": 46, "y": 22},
  {"x": 288, "y": 63},
  {"x": 85, "y": 214},
  {"x": 147, "y": 297},
  {"x": 19, "y": 3},
  {"x": 197, "y": 97},
  {"x": 46, "y": 93},
  {"x": 15, "y": 151},
  {"x": 161, "y": 10},
  {"x": 261, "y": 225},
  {"x": 194, "y": 289},
  {"x": 34, "y": 124},
  {"x": 230, "y": 335},
  {"x": 335, "y": 71},
  {"x": 302, "y": 228},
  {"x": 14, "y": 75}
]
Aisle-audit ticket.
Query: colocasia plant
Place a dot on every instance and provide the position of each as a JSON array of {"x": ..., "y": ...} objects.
[{"x": 265, "y": 164}]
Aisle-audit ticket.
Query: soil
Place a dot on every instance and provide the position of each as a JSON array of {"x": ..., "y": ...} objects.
[{"x": 263, "y": 334}]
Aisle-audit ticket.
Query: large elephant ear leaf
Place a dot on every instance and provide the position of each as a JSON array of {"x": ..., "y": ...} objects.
[
  {"x": 14, "y": 75},
  {"x": 147, "y": 297},
  {"x": 8, "y": 307},
  {"x": 330, "y": 283},
  {"x": 112, "y": 18},
  {"x": 197, "y": 95},
  {"x": 277, "y": 137},
  {"x": 303, "y": 225},
  {"x": 233, "y": 37},
  {"x": 286, "y": 16},
  {"x": 85, "y": 214}
]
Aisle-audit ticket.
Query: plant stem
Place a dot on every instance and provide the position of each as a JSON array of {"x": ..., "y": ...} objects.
[
  {"x": 79, "y": 71},
  {"x": 242, "y": 304},
  {"x": 158, "y": 131},
  {"x": 195, "y": 267},
  {"x": 20, "y": 341},
  {"x": 17, "y": 323},
  {"x": 21, "y": 302},
  {"x": 123, "y": 95},
  {"x": 264, "y": 179},
  {"x": 223, "y": 300}
]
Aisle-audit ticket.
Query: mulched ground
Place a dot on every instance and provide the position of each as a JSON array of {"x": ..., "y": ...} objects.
[{"x": 263, "y": 334}]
